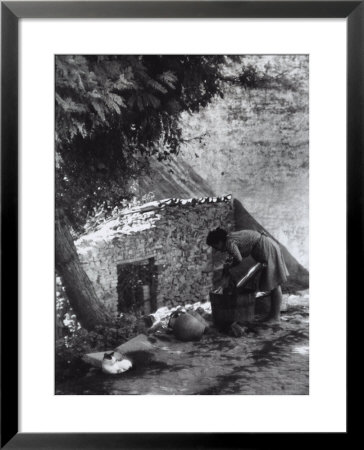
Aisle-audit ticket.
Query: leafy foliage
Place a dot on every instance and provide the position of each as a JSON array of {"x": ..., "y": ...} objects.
[
  {"x": 113, "y": 112},
  {"x": 77, "y": 340},
  {"x": 70, "y": 350}
]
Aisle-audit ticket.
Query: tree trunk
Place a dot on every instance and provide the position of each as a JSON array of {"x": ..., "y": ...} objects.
[{"x": 81, "y": 294}]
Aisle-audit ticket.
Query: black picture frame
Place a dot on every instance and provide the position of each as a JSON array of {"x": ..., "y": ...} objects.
[{"x": 11, "y": 12}]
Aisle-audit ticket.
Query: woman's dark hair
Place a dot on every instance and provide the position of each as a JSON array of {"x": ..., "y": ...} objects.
[{"x": 216, "y": 236}]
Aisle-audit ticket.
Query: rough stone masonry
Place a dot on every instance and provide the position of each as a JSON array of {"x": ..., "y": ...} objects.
[{"x": 169, "y": 234}]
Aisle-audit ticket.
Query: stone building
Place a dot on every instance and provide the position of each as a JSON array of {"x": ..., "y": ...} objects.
[{"x": 155, "y": 255}]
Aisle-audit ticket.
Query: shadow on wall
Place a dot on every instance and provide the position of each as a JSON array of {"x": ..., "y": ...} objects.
[{"x": 298, "y": 276}]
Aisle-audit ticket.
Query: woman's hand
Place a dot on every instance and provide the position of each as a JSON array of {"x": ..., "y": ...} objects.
[
  {"x": 225, "y": 281},
  {"x": 226, "y": 269}
]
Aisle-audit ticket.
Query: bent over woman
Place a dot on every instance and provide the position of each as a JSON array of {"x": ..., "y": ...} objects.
[{"x": 240, "y": 244}]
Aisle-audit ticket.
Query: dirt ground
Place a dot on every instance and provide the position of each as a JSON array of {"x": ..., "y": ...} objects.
[{"x": 269, "y": 359}]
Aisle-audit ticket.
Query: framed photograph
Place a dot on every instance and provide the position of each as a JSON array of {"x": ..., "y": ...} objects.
[{"x": 181, "y": 200}]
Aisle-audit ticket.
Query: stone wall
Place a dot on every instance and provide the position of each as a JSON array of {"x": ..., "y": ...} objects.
[
  {"x": 256, "y": 146},
  {"x": 173, "y": 235}
]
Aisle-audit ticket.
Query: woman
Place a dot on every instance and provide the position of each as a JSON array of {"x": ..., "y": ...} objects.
[{"x": 262, "y": 248}]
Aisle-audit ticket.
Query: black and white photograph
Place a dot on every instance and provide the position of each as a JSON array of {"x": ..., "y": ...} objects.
[{"x": 181, "y": 224}]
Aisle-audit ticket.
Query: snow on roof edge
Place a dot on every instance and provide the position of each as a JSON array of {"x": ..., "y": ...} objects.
[{"x": 159, "y": 204}]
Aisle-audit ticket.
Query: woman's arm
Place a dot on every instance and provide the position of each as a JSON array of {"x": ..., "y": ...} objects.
[{"x": 233, "y": 249}]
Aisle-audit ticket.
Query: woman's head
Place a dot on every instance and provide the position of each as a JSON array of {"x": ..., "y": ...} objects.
[{"x": 217, "y": 238}]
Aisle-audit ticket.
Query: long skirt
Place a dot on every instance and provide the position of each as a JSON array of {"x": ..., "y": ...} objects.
[{"x": 275, "y": 273}]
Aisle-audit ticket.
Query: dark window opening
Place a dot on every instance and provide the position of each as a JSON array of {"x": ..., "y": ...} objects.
[{"x": 137, "y": 286}]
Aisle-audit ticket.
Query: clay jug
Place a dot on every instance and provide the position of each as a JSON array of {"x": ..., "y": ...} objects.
[{"x": 188, "y": 328}]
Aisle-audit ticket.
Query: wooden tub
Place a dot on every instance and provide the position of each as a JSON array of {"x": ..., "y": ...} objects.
[{"x": 227, "y": 309}]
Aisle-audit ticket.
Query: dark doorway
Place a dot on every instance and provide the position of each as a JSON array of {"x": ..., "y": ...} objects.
[{"x": 137, "y": 286}]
